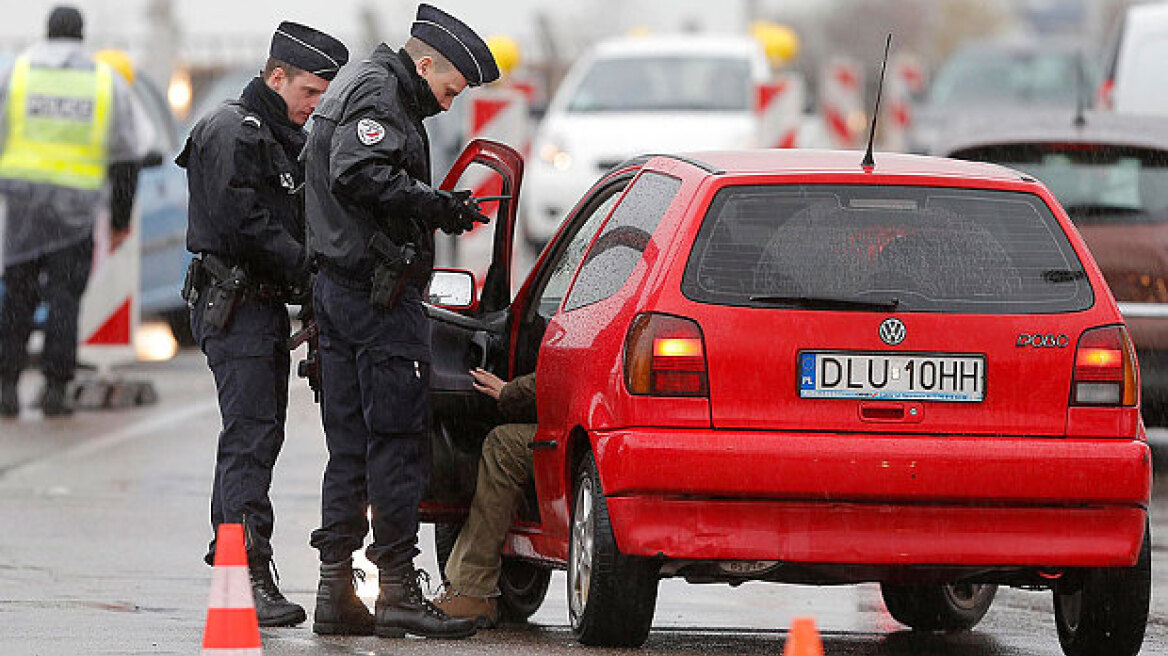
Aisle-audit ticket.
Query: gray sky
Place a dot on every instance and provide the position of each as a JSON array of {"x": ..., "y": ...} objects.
[{"x": 126, "y": 18}]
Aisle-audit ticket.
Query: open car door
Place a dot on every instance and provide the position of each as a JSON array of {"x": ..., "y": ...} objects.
[{"x": 467, "y": 332}]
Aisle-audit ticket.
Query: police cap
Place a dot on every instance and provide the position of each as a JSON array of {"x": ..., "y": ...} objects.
[
  {"x": 457, "y": 42},
  {"x": 308, "y": 49}
]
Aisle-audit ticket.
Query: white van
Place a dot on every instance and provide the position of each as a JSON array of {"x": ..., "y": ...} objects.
[
  {"x": 1137, "y": 79},
  {"x": 636, "y": 95}
]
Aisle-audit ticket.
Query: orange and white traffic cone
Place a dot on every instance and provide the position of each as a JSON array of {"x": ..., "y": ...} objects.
[
  {"x": 232, "y": 626},
  {"x": 803, "y": 639}
]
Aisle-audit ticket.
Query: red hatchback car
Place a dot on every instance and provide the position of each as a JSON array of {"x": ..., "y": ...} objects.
[{"x": 783, "y": 366}]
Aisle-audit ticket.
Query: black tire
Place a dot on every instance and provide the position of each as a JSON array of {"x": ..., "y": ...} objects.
[
  {"x": 611, "y": 596},
  {"x": 523, "y": 586},
  {"x": 952, "y": 607},
  {"x": 1108, "y": 614}
]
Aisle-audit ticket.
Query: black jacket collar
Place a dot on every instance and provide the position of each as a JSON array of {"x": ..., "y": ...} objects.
[
  {"x": 414, "y": 91},
  {"x": 273, "y": 111}
]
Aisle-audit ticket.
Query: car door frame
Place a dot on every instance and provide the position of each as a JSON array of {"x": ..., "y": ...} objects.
[{"x": 470, "y": 337}]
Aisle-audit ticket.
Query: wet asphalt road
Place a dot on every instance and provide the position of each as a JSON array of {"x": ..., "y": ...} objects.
[{"x": 104, "y": 526}]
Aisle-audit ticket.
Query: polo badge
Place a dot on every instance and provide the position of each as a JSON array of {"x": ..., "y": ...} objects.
[{"x": 369, "y": 131}]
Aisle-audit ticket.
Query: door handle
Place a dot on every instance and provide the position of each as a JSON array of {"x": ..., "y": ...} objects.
[{"x": 481, "y": 340}]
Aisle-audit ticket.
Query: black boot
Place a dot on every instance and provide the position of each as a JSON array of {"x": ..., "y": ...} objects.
[
  {"x": 9, "y": 401},
  {"x": 55, "y": 403},
  {"x": 338, "y": 609},
  {"x": 401, "y": 608},
  {"x": 272, "y": 608}
]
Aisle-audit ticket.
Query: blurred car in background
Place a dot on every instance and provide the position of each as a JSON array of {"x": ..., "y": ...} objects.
[
  {"x": 1136, "y": 80},
  {"x": 1111, "y": 175},
  {"x": 1002, "y": 78},
  {"x": 633, "y": 95},
  {"x": 162, "y": 203}
]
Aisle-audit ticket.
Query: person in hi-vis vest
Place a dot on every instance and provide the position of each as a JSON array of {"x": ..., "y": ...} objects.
[{"x": 68, "y": 149}]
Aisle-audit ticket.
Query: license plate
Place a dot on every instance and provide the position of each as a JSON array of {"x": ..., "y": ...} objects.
[{"x": 897, "y": 376}]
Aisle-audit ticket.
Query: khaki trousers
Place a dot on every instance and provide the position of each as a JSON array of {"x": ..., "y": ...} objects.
[{"x": 504, "y": 469}]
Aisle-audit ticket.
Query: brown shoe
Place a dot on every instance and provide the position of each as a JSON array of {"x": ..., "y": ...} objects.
[{"x": 483, "y": 610}]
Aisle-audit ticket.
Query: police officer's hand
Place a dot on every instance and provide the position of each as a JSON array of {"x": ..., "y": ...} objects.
[{"x": 459, "y": 213}]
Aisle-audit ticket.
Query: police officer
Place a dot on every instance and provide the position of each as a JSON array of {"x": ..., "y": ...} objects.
[
  {"x": 68, "y": 148},
  {"x": 371, "y": 217},
  {"x": 246, "y": 226}
]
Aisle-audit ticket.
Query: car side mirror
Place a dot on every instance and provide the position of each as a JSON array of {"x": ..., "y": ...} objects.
[{"x": 453, "y": 289}]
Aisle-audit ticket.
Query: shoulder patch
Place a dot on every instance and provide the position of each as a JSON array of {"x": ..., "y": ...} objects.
[
  {"x": 252, "y": 120},
  {"x": 370, "y": 131}
]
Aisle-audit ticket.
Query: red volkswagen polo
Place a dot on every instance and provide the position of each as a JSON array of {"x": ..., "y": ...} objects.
[{"x": 784, "y": 366}]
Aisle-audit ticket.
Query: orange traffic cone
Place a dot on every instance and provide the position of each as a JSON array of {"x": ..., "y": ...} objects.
[
  {"x": 232, "y": 627},
  {"x": 803, "y": 639}
]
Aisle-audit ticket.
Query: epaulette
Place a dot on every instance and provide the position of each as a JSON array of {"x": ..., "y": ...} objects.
[{"x": 252, "y": 120}]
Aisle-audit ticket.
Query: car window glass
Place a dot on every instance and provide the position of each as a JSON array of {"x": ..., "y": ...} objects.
[
  {"x": 569, "y": 259},
  {"x": 982, "y": 77},
  {"x": 617, "y": 250},
  {"x": 629, "y": 84},
  {"x": 1094, "y": 183},
  {"x": 919, "y": 248}
]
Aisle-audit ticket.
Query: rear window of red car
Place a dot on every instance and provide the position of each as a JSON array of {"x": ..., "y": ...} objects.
[{"x": 927, "y": 249}]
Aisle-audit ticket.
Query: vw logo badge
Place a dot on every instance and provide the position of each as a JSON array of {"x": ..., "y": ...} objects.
[{"x": 892, "y": 331}]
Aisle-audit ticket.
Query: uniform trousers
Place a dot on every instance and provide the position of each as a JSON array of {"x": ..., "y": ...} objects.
[
  {"x": 375, "y": 406},
  {"x": 58, "y": 278},
  {"x": 251, "y": 365},
  {"x": 504, "y": 470}
]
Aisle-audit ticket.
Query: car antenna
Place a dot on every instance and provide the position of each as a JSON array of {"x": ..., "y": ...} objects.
[
  {"x": 869, "y": 162},
  {"x": 1080, "y": 82}
]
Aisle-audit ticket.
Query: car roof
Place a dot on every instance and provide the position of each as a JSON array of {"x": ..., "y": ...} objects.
[
  {"x": 1057, "y": 126},
  {"x": 802, "y": 160},
  {"x": 711, "y": 45}
]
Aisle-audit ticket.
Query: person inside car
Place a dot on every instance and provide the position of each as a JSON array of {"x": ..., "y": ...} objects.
[{"x": 472, "y": 573}]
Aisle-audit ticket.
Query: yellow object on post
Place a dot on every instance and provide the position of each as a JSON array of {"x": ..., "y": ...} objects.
[
  {"x": 117, "y": 60},
  {"x": 58, "y": 125},
  {"x": 506, "y": 52},
  {"x": 779, "y": 42}
]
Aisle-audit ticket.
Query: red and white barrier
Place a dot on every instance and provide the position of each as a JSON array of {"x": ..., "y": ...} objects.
[
  {"x": 498, "y": 112},
  {"x": 779, "y": 109},
  {"x": 109, "y": 308},
  {"x": 906, "y": 79},
  {"x": 841, "y": 103}
]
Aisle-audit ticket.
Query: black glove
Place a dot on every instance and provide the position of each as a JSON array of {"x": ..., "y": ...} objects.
[{"x": 458, "y": 212}]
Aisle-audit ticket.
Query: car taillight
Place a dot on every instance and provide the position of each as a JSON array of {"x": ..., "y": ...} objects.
[
  {"x": 1105, "y": 368},
  {"x": 665, "y": 356}
]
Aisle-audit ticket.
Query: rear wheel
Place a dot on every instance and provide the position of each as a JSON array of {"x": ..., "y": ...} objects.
[
  {"x": 1108, "y": 613},
  {"x": 951, "y": 607},
  {"x": 611, "y": 596}
]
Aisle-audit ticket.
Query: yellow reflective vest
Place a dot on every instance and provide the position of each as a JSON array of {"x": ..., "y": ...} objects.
[{"x": 58, "y": 123}]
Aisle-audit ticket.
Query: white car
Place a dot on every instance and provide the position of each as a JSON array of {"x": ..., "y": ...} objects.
[
  {"x": 1136, "y": 81},
  {"x": 637, "y": 95}
]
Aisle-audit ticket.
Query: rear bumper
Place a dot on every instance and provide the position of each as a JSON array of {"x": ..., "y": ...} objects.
[{"x": 866, "y": 499}]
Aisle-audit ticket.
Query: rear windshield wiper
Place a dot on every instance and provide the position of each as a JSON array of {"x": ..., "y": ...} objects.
[
  {"x": 819, "y": 303},
  {"x": 1056, "y": 276}
]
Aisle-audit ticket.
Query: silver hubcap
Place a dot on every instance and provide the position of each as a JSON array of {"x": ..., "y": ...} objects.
[
  {"x": 967, "y": 596},
  {"x": 580, "y": 551}
]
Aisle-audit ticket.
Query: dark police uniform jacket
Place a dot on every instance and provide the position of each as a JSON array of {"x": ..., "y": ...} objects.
[
  {"x": 369, "y": 169},
  {"x": 245, "y": 184}
]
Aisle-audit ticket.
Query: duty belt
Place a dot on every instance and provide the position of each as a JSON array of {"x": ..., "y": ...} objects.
[{"x": 221, "y": 271}]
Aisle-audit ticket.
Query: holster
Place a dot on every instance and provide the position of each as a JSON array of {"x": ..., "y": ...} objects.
[
  {"x": 391, "y": 274},
  {"x": 195, "y": 279},
  {"x": 224, "y": 293}
]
